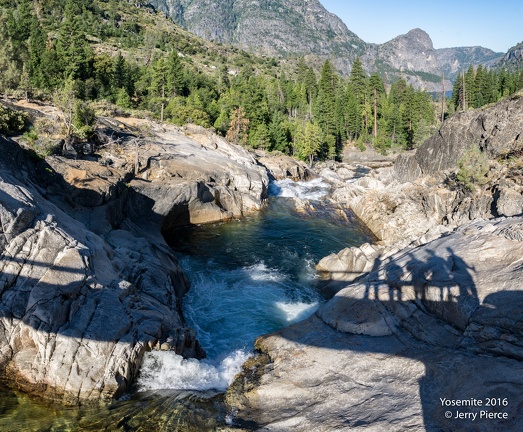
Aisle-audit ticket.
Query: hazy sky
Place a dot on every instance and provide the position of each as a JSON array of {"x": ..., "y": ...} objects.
[{"x": 497, "y": 25}]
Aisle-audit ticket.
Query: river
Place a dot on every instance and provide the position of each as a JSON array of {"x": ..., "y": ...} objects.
[{"x": 248, "y": 277}]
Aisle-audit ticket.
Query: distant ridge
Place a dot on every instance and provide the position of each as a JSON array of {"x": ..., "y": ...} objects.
[{"x": 305, "y": 27}]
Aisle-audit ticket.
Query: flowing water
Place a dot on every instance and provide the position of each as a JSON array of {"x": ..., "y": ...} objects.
[{"x": 248, "y": 277}]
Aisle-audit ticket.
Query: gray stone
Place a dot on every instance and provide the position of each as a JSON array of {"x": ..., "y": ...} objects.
[
  {"x": 87, "y": 282},
  {"x": 496, "y": 130},
  {"x": 382, "y": 353}
]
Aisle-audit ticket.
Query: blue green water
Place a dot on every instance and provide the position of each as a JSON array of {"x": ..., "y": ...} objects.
[{"x": 248, "y": 277}]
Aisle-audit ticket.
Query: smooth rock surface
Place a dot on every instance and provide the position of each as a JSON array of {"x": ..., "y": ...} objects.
[
  {"x": 87, "y": 282},
  {"x": 496, "y": 130},
  {"x": 381, "y": 353}
]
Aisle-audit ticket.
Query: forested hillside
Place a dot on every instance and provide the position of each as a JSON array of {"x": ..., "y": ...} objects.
[{"x": 75, "y": 53}]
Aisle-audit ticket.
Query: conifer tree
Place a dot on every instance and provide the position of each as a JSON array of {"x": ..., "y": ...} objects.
[
  {"x": 277, "y": 133},
  {"x": 358, "y": 81},
  {"x": 325, "y": 109},
  {"x": 36, "y": 48},
  {"x": 238, "y": 132},
  {"x": 175, "y": 82},
  {"x": 159, "y": 82},
  {"x": 309, "y": 141},
  {"x": 352, "y": 114},
  {"x": 74, "y": 52}
]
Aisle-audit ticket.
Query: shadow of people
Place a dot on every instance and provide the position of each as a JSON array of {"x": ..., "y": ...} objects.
[{"x": 420, "y": 308}]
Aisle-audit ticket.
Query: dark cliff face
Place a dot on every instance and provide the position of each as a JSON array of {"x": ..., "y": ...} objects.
[
  {"x": 496, "y": 130},
  {"x": 306, "y": 27}
]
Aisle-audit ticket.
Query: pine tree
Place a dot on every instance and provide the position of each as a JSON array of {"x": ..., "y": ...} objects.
[
  {"x": 277, "y": 133},
  {"x": 74, "y": 52},
  {"x": 238, "y": 132},
  {"x": 159, "y": 83},
  {"x": 119, "y": 74},
  {"x": 311, "y": 87},
  {"x": 65, "y": 99},
  {"x": 9, "y": 70},
  {"x": 358, "y": 81},
  {"x": 325, "y": 109},
  {"x": 175, "y": 83},
  {"x": 377, "y": 91},
  {"x": 309, "y": 141},
  {"x": 353, "y": 120},
  {"x": 260, "y": 138},
  {"x": 36, "y": 48}
]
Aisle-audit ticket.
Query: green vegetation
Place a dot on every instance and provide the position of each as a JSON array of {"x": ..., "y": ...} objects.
[
  {"x": 12, "y": 121},
  {"x": 479, "y": 86},
  {"x": 81, "y": 52},
  {"x": 473, "y": 168}
]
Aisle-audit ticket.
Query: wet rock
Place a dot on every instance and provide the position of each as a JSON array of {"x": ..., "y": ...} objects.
[{"x": 281, "y": 167}]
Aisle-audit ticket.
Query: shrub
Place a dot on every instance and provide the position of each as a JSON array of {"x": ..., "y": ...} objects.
[
  {"x": 473, "y": 168},
  {"x": 184, "y": 115},
  {"x": 84, "y": 119},
  {"x": 46, "y": 126},
  {"x": 46, "y": 147},
  {"x": 12, "y": 121}
]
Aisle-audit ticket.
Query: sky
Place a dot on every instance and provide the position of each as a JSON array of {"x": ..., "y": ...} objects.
[{"x": 497, "y": 25}]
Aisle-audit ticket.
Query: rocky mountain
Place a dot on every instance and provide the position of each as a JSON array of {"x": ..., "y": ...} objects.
[
  {"x": 269, "y": 26},
  {"x": 306, "y": 27},
  {"x": 513, "y": 58},
  {"x": 413, "y": 56}
]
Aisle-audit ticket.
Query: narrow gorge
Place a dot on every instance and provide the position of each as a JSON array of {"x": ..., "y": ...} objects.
[{"x": 419, "y": 301}]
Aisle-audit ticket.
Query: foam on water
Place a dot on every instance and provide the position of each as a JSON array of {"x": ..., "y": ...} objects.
[
  {"x": 247, "y": 278},
  {"x": 260, "y": 272},
  {"x": 228, "y": 310},
  {"x": 311, "y": 190},
  {"x": 167, "y": 370}
]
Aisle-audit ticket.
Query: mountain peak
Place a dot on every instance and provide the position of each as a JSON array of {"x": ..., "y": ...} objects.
[{"x": 420, "y": 37}]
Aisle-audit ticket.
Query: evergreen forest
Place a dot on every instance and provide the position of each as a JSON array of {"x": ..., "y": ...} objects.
[{"x": 80, "y": 52}]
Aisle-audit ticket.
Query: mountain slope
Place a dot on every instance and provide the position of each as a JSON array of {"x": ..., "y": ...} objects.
[
  {"x": 269, "y": 26},
  {"x": 413, "y": 56},
  {"x": 513, "y": 59},
  {"x": 306, "y": 27}
]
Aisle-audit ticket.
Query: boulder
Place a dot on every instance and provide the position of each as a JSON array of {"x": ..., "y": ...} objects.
[
  {"x": 496, "y": 130},
  {"x": 428, "y": 326},
  {"x": 281, "y": 167},
  {"x": 194, "y": 180}
]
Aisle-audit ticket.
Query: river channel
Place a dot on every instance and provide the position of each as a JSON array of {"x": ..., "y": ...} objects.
[{"x": 248, "y": 277}]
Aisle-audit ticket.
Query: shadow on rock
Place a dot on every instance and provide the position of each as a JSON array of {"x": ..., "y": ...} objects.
[{"x": 430, "y": 340}]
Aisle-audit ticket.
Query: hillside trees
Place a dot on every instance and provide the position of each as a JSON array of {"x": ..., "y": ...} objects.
[
  {"x": 480, "y": 86},
  {"x": 256, "y": 102}
]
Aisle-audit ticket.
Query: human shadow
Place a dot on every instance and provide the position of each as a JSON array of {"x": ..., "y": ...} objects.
[{"x": 423, "y": 306}]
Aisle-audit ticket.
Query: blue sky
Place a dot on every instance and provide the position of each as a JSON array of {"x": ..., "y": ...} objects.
[{"x": 497, "y": 25}]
